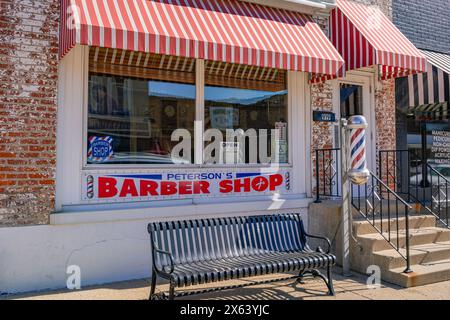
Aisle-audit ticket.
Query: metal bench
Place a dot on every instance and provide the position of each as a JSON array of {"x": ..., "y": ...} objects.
[{"x": 193, "y": 252}]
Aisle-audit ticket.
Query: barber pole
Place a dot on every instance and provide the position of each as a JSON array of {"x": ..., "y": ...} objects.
[
  {"x": 287, "y": 181},
  {"x": 90, "y": 187},
  {"x": 357, "y": 149},
  {"x": 358, "y": 172}
]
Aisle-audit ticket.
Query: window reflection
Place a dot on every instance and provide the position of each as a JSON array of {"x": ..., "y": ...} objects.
[
  {"x": 237, "y": 108},
  {"x": 131, "y": 120},
  {"x": 351, "y": 100}
]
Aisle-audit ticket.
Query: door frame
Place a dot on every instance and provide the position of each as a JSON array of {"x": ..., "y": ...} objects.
[{"x": 367, "y": 81}]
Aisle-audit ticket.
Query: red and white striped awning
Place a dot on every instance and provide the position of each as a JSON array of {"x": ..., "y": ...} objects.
[
  {"x": 222, "y": 30},
  {"x": 364, "y": 37}
]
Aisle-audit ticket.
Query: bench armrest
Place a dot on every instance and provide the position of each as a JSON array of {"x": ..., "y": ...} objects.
[
  {"x": 158, "y": 251},
  {"x": 321, "y": 238}
]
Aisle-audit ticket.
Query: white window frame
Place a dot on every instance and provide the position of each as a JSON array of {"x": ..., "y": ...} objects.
[{"x": 72, "y": 130}]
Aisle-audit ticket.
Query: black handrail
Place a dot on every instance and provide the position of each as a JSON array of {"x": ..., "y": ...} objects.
[
  {"x": 439, "y": 196},
  {"x": 414, "y": 179},
  {"x": 374, "y": 195},
  {"x": 327, "y": 173}
]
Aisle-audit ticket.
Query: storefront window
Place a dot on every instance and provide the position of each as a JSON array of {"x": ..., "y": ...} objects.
[
  {"x": 142, "y": 108},
  {"x": 134, "y": 110},
  {"x": 253, "y": 103}
]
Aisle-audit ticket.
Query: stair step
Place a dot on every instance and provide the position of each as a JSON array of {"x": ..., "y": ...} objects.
[
  {"x": 419, "y": 254},
  {"x": 361, "y": 227},
  {"x": 386, "y": 206},
  {"x": 422, "y": 274},
  {"x": 376, "y": 242}
]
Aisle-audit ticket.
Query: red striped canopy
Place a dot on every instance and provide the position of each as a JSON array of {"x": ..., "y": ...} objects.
[
  {"x": 222, "y": 30},
  {"x": 364, "y": 36}
]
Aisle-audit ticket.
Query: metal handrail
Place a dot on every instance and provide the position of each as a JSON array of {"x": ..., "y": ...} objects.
[
  {"x": 442, "y": 188},
  {"x": 402, "y": 166},
  {"x": 392, "y": 191},
  {"x": 438, "y": 173},
  {"x": 373, "y": 195},
  {"x": 327, "y": 176}
]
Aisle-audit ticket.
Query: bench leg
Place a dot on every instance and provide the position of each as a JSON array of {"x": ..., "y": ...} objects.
[
  {"x": 153, "y": 285},
  {"x": 301, "y": 277},
  {"x": 171, "y": 291},
  {"x": 330, "y": 282},
  {"x": 316, "y": 273}
]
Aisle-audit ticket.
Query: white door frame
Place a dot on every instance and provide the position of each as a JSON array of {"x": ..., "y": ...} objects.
[{"x": 366, "y": 80}]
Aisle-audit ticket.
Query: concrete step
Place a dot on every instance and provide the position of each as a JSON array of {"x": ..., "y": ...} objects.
[
  {"x": 385, "y": 206},
  {"x": 376, "y": 242},
  {"x": 361, "y": 227},
  {"x": 422, "y": 274},
  {"x": 419, "y": 254}
]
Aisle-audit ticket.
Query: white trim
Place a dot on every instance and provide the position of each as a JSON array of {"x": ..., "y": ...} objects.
[
  {"x": 308, "y": 137},
  {"x": 72, "y": 84},
  {"x": 296, "y": 123},
  {"x": 184, "y": 211},
  {"x": 199, "y": 110},
  {"x": 311, "y": 7}
]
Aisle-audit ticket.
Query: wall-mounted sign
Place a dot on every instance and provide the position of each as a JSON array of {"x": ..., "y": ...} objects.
[
  {"x": 324, "y": 116},
  {"x": 100, "y": 149},
  {"x": 177, "y": 184},
  {"x": 438, "y": 141}
]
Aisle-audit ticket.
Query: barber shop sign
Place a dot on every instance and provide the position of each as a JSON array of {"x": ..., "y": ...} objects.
[{"x": 116, "y": 187}]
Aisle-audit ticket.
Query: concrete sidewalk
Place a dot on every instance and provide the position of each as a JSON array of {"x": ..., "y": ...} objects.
[{"x": 347, "y": 288}]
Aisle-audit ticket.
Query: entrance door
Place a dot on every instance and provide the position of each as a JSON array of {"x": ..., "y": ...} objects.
[{"x": 353, "y": 96}]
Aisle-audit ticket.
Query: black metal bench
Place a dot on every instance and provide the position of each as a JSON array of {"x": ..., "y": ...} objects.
[{"x": 192, "y": 252}]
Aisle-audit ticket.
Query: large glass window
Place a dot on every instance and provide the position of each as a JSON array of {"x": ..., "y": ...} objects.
[
  {"x": 134, "y": 110},
  {"x": 142, "y": 109},
  {"x": 249, "y": 106}
]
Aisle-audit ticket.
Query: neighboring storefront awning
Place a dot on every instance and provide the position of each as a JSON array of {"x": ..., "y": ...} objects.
[
  {"x": 364, "y": 37},
  {"x": 429, "y": 88},
  {"x": 227, "y": 30}
]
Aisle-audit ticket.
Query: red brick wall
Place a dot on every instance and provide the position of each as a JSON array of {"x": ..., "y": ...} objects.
[{"x": 28, "y": 102}]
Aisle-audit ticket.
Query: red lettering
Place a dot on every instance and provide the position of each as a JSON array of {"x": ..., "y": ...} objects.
[
  {"x": 226, "y": 186},
  {"x": 201, "y": 187},
  {"x": 148, "y": 187},
  {"x": 242, "y": 183},
  {"x": 275, "y": 181},
  {"x": 260, "y": 184},
  {"x": 168, "y": 188},
  {"x": 107, "y": 187},
  {"x": 128, "y": 187},
  {"x": 185, "y": 187}
]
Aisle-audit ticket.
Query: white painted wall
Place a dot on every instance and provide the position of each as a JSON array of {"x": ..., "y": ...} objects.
[{"x": 36, "y": 258}]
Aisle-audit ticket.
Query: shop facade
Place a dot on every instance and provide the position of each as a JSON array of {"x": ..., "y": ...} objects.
[
  {"x": 422, "y": 100},
  {"x": 157, "y": 110}
]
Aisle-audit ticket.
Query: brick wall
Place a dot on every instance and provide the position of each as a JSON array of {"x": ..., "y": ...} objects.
[
  {"x": 425, "y": 22},
  {"x": 28, "y": 100}
]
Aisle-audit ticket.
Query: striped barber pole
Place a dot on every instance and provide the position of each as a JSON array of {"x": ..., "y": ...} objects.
[
  {"x": 221, "y": 30},
  {"x": 357, "y": 149},
  {"x": 365, "y": 37}
]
